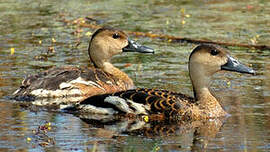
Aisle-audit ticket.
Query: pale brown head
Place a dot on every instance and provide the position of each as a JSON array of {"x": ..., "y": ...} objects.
[
  {"x": 211, "y": 58},
  {"x": 107, "y": 42},
  {"x": 207, "y": 59}
]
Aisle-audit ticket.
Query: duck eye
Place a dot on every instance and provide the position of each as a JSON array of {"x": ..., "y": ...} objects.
[
  {"x": 214, "y": 52},
  {"x": 116, "y": 36}
]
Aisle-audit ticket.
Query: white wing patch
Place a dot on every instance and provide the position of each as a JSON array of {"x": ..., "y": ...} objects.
[
  {"x": 56, "y": 93},
  {"x": 125, "y": 105},
  {"x": 14, "y": 93},
  {"x": 61, "y": 101},
  {"x": 96, "y": 110},
  {"x": 140, "y": 108},
  {"x": 81, "y": 81},
  {"x": 65, "y": 89},
  {"x": 119, "y": 103}
]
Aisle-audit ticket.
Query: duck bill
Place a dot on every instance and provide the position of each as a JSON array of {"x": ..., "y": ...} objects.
[
  {"x": 136, "y": 47},
  {"x": 234, "y": 65}
]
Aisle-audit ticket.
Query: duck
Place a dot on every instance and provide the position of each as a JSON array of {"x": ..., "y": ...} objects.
[
  {"x": 205, "y": 60},
  {"x": 102, "y": 78}
]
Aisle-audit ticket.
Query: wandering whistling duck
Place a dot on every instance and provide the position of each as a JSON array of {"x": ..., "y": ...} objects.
[
  {"x": 73, "y": 81},
  {"x": 204, "y": 61}
]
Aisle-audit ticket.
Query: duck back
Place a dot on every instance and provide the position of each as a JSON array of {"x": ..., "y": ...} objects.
[{"x": 68, "y": 81}]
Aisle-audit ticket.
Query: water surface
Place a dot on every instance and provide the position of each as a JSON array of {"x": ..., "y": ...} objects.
[{"x": 32, "y": 27}]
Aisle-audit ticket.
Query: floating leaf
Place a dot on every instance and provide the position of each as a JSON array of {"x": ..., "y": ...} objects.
[
  {"x": 250, "y": 7},
  {"x": 182, "y": 10},
  {"x": 127, "y": 65},
  {"x": 51, "y": 50},
  {"x": 43, "y": 144}
]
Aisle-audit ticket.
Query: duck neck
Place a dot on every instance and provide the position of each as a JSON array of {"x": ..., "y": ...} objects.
[
  {"x": 205, "y": 100},
  {"x": 109, "y": 68},
  {"x": 200, "y": 86},
  {"x": 101, "y": 60}
]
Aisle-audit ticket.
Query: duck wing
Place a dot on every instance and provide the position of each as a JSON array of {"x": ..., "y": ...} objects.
[
  {"x": 68, "y": 82},
  {"x": 137, "y": 101}
]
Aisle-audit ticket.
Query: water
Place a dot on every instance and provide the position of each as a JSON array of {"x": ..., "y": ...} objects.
[{"x": 31, "y": 27}]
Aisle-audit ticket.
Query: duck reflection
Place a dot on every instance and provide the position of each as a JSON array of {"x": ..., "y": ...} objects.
[{"x": 197, "y": 133}]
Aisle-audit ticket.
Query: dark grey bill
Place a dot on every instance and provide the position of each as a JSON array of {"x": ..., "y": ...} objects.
[
  {"x": 136, "y": 47},
  {"x": 234, "y": 65}
]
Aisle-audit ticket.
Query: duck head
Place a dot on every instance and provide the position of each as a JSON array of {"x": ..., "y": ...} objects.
[
  {"x": 207, "y": 59},
  {"x": 212, "y": 58},
  {"x": 107, "y": 42}
]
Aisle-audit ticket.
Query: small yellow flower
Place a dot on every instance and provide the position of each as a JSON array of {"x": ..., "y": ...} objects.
[
  {"x": 157, "y": 148},
  {"x": 28, "y": 139},
  {"x": 253, "y": 41},
  {"x": 252, "y": 50},
  {"x": 88, "y": 34},
  {"x": 53, "y": 40},
  {"x": 169, "y": 40},
  {"x": 49, "y": 128},
  {"x": 39, "y": 41},
  {"x": 183, "y": 22},
  {"x": 229, "y": 83},
  {"x": 12, "y": 51},
  {"x": 48, "y": 124},
  {"x": 145, "y": 118},
  {"x": 187, "y": 15}
]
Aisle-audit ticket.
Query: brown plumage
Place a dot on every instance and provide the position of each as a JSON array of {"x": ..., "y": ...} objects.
[
  {"x": 204, "y": 61},
  {"x": 73, "y": 81}
]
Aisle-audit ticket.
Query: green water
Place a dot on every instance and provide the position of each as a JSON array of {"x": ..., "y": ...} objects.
[{"x": 30, "y": 26}]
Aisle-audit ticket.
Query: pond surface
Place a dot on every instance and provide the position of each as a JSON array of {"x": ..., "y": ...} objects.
[{"x": 31, "y": 27}]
